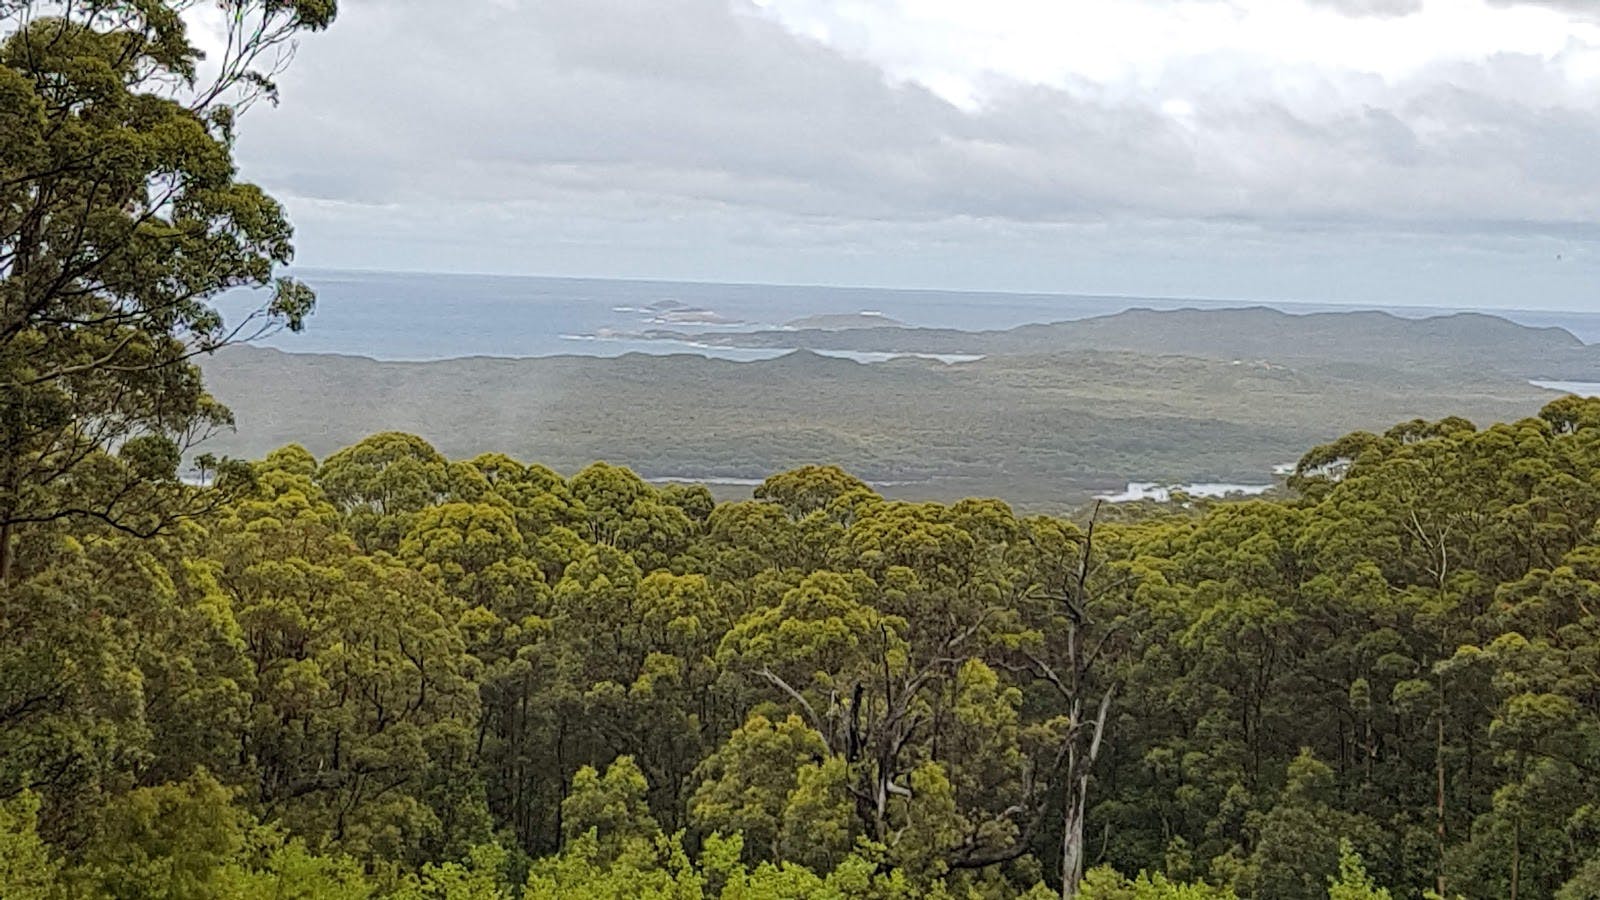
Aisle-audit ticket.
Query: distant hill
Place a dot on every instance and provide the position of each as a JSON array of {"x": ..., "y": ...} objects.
[
  {"x": 840, "y": 321},
  {"x": 1052, "y": 414},
  {"x": 1464, "y": 340}
]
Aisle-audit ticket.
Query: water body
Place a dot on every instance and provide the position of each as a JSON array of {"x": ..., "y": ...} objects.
[
  {"x": 408, "y": 316},
  {"x": 1161, "y": 493},
  {"x": 1581, "y": 388},
  {"x": 710, "y": 480},
  {"x": 729, "y": 481},
  {"x": 872, "y": 356}
]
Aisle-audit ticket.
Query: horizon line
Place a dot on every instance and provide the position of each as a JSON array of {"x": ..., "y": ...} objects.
[{"x": 977, "y": 292}]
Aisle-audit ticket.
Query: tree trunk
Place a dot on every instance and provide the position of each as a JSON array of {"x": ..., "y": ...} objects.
[
  {"x": 1516, "y": 855},
  {"x": 5, "y": 552},
  {"x": 1083, "y": 741},
  {"x": 1438, "y": 764},
  {"x": 1072, "y": 838},
  {"x": 1079, "y": 766}
]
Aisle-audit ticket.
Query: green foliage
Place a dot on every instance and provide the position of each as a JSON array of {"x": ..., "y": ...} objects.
[
  {"x": 611, "y": 806},
  {"x": 1353, "y": 882},
  {"x": 27, "y": 869},
  {"x": 818, "y": 823},
  {"x": 185, "y": 840},
  {"x": 1049, "y": 418},
  {"x": 1105, "y": 884},
  {"x": 752, "y": 787},
  {"x": 394, "y": 675},
  {"x": 172, "y": 842},
  {"x": 288, "y": 871},
  {"x": 382, "y": 483},
  {"x": 478, "y": 680},
  {"x": 810, "y": 489},
  {"x": 1299, "y": 842},
  {"x": 663, "y": 870},
  {"x": 480, "y": 877},
  {"x": 121, "y": 217}
]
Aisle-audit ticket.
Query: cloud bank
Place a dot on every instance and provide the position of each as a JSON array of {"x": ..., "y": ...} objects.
[{"x": 827, "y": 141}]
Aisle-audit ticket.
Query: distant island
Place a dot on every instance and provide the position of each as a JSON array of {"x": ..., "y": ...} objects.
[
  {"x": 842, "y": 321},
  {"x": 1255, "y": 334},
  {"x": 694, "y": 316}
]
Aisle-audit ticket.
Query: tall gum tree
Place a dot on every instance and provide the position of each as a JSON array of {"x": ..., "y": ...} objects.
[{"x": 121, "y": 218}]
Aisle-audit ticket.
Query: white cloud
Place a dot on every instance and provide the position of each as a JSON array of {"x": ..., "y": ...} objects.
[
  {"x": 1125, "y": 48},
  {"x": 714, "y": 136}
]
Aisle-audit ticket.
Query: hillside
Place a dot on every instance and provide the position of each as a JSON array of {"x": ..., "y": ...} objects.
[
  {"x": 1463, "y": 340},
  {"x": 841, "y": 321},
  {"x": 1041, "y": 425}
]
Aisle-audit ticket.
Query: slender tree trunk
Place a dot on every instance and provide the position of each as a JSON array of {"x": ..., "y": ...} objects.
[
  {"x": 1084, "y": 739},
  {"x": 1072, "y": 838},
  {"x": 1438, "y": 765},
  {"x": 21, "y": 264},
  {"x": 561, "y": 780},
  {"x": 1079, "y": 766},
  {"x": 1516, "y": 855},
  {"x": 5, "y": 552},
  {"x": 1370, "y": 751},
  {"x": 880, "y": 796}
]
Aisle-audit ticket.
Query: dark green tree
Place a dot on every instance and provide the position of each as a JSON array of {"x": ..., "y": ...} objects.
[{"x": 121, "y": 217}]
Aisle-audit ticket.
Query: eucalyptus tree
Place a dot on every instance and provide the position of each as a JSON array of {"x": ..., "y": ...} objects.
[{"x": 122, "y": 217}]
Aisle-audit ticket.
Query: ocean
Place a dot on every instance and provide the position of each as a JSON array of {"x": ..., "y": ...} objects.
[{"x": 413, "y": 316}]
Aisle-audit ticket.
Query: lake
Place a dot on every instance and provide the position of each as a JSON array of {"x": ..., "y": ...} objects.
[
  {"x": 1581, "y": 388},
  {"x": 1161, "y": 493}
]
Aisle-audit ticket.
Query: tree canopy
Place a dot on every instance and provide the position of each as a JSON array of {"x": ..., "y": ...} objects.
[
  {"x": 392, "y": 674},
  {"x": 389, "y": 674},
  {"x": 121, "y": 217}
]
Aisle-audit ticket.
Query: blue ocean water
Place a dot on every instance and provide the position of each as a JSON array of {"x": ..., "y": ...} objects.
[{"x": 412, "y": 316}]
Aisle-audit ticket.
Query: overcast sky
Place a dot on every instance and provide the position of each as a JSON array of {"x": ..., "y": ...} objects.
[{"x": 1442, "y": 152}]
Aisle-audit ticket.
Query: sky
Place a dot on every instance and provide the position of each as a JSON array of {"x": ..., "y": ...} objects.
[{"x": 1426, "y": 152}]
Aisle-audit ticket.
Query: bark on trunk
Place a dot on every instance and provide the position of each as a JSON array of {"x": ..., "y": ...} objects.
[
  {"x": 1438, "y": 757},
  {"x": 1516, "y": 856},
  {"x": 5, "y": 553},
  {"x": 1072, "y": 839},
  {"x": 1079, "y": 765}
]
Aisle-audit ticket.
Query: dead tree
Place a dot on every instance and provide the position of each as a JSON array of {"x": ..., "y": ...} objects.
[{"x": 1087, "y": 693}]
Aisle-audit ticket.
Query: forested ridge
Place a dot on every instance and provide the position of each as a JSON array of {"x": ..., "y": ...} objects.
[
  {"x": 391, "y": 674},
  {"x": 1045, "y": 431}
]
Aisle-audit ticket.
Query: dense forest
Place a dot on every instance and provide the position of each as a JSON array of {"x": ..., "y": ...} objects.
[
  {"x": 1045, "y": 430},
  {"x": 390, "y": 674}
]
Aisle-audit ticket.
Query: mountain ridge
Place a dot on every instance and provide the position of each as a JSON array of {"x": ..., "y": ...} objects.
[
  {"x": 1466, "y": 338},
  {"x": 1044, "y": 424}
]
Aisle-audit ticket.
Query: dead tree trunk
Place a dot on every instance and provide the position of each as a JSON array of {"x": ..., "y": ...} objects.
[
  {"x": 1083, "y": 688},
  {"x": 1076, "y": 801}
]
